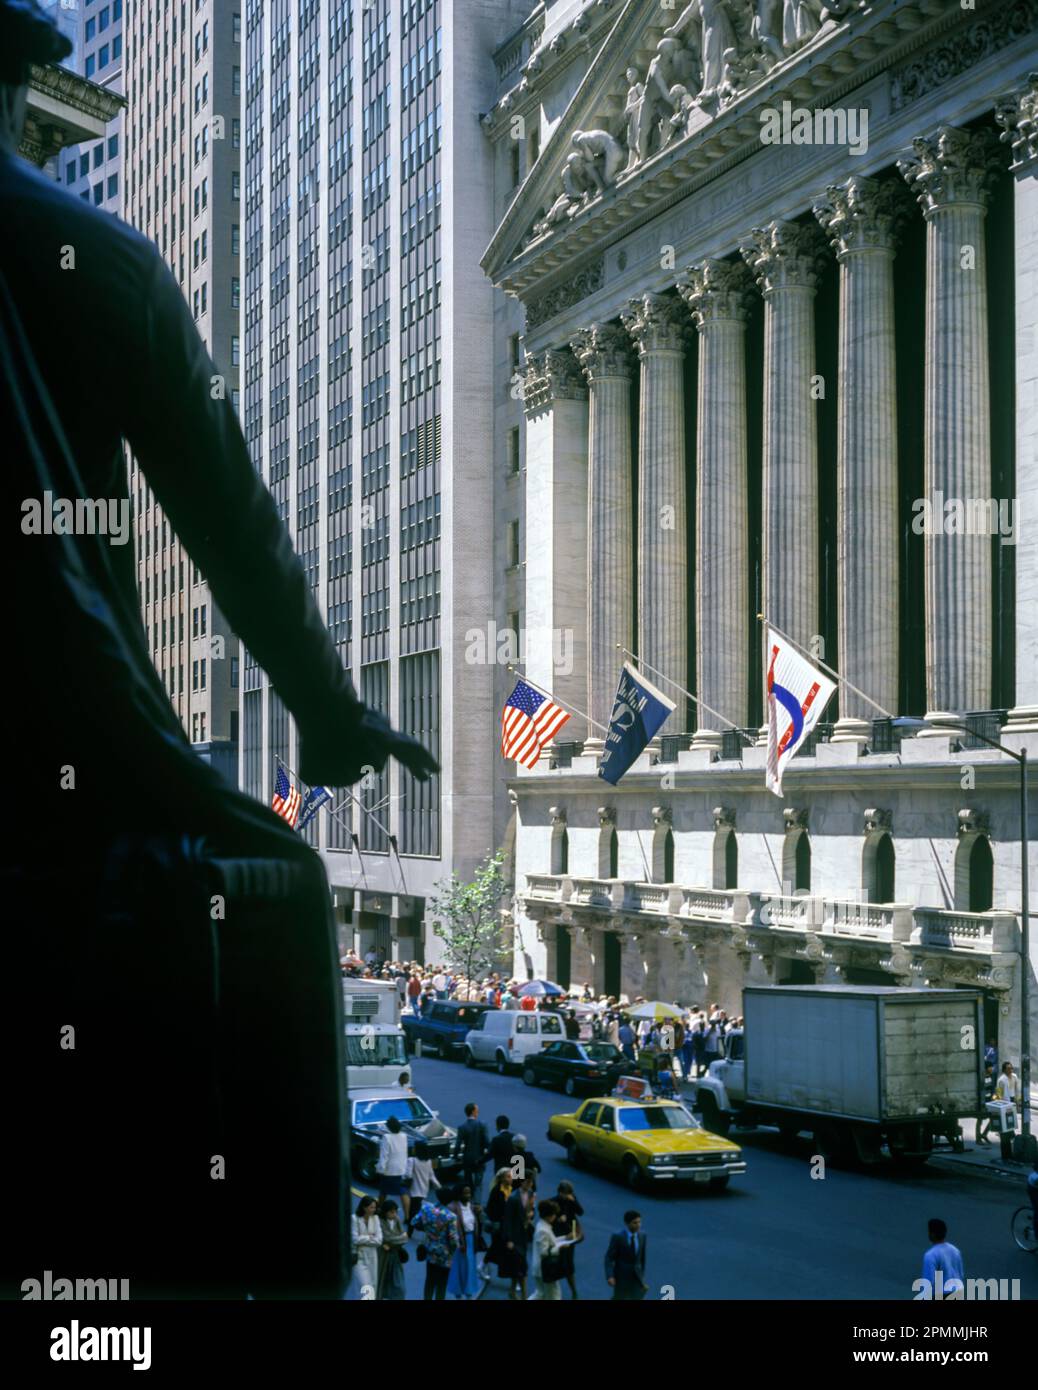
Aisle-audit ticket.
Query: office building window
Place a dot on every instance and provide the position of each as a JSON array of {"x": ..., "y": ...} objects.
[
  {"x": 235, "y": 240},
  {"x": 236, "y": 21},
  {"x": 113, "y": 185},
  {"x": 235, "y": 133},
  {"x": 102, "y": 56},
  {"x": 194, "y": 675},
  {"x": 99, "y": 154},
  {"x": 99, "y": 193},
  {"x": 235, "y": 351},
  {"x": 236, "y": 81},
  {"x": 235, "y": 292},
  {"x": 234, "y": 673},
  {"x": 236, "y": 186},
  {"x": 113, "y": 146},
  {"x": 513, "y": 450},
  {"x": 202, "y": 685}
]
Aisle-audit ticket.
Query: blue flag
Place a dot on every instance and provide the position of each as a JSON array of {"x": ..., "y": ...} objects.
[
  {"x": 312, "y": 803},
  {"x": 638, "y": 711}
]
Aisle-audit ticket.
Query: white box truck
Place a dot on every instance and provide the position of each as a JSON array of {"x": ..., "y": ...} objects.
[
  {"x": 375, "y": 1050},
  {"x": 860, "y": 1068}
]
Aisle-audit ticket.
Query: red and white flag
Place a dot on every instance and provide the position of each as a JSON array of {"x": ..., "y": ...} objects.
[
  {"x": 797, "y": 695},
  {"x": 529, "y": 722}
]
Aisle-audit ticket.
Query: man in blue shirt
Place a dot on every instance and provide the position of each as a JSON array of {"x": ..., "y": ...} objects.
[{"x": 942, "y": 1264}]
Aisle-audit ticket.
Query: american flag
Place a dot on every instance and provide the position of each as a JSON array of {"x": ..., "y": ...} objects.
[
  {"x": 529, "y": 720},
  {"x": 286, "y": 799}
]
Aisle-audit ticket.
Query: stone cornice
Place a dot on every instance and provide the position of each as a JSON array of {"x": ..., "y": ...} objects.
[
  {"x": 839, "y": 60},
  {"x": 75, "y": 91}
]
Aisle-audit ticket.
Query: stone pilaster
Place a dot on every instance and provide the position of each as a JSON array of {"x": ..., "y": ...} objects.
[
  {"x": 1017, "y": 114},
  {"x": 603, "y": 352},
  {"x": 786, "y": 259},
  {"x": 719, "y": 294},
  {"x": 659, "y": 326},
  {"x": 951, "y": 174},
  {"x": 556, "y": 405},
  {"x": 862, "y": 218}
]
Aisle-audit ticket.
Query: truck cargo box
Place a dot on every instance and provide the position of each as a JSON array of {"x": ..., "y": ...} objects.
[{"x": 868, "y": 1053}]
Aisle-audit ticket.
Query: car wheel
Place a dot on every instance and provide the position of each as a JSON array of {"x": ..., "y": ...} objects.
[
  {"x": 501, "y": 1063},
  {"x": 529, "y": 1077},
  {"x": 632, "y": 1173},
  {"x": 570, "y": 1086},
  {"x": 710, "y": 1114},
  {"x": 573, "y": 1153},
  {"x": 719, "y": 1184},
  {"x": 366, "y": 1169},
  {"x": 441, "y": 1049},
  {"x": 470, "y": 1061}
]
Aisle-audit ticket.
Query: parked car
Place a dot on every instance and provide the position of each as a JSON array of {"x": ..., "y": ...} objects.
[
  {"x": 371, "y": 1107},
  {"x": 443, "y": 1026},
  {"x": 646, "y": 1141},
  {"x": 576, "y": 1066},
  {"x": 506, "y": 1037}
]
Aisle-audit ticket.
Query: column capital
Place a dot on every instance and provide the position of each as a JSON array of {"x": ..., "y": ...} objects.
[
  {"x": 1017, "y": 113},
  {"x": 551, "y": 375},
  {"x": 863, "y": 214},
  {"x": 603, "y": 350},
  {"x": 951, "y": 167},
  {"x": 785, "y": 255},
  {"x": 716, "y": 290},
  {"x": 656, "y": 322}
]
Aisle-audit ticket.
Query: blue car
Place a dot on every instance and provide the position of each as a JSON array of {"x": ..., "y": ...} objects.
[{"x": 442, "y": 1027}]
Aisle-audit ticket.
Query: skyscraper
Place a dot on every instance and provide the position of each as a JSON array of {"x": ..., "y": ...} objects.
[
  {"x": 93, "y": 170},
  {"x": 182, "y": 172},
  {"x": 368, "y": 403}
]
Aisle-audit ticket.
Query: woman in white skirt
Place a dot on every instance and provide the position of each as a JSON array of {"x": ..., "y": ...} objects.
[
  {"x": 366, "y": 1240},
  {"x": 545, "y": 1249}
]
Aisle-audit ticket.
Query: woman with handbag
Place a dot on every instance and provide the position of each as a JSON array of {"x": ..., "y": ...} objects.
[
  {"x": 464, "y": 1279},
  {"x": 547, "y": 1257},
  {"x": 393, "y": 1255},
  {"x": 365, "y": 1242},
  {"x": 567, "y": 1227}
]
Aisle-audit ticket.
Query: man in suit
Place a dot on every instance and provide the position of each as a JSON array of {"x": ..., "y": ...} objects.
[
  {"x": 472, "y": 1147},
  {"x": 625, "y": 1259},
  {"x": 501, "y": 1146}
]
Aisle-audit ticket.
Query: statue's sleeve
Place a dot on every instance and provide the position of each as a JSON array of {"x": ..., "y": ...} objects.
[{"x": 184, "y": 431}]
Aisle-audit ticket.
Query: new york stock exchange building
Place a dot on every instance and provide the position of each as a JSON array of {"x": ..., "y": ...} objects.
[{"x": 771, "y": 303}]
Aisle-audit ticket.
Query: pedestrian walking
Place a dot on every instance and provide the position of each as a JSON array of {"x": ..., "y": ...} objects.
[
  {"x": 545, "y": 1266},
  {"x": 626, "y": 1039},
  {"x": 439, "y": 984},
  {"x": 393, "y": 1254},
  {"x": 493, "y": 1222},
  {"x": 625, "y": 1260},
  {"x": 366, "y": 1240},
  {"x": 516, "y": 1229},
  {"x": 439, "y": 1228},
  {"x": 524, "y": 1160},
  {"x": 472, "y": 1147},
  {"x": 502, "y": 1146},
  {"x": 464, "y": 1279},
  {"x": 420, "y": 1176},
  {"x": 942, "y": 1264},
  {"x": 414, "y": 992},
  {"x": 391, "y": 1164},
  {"x": 567, "y": 1227}
]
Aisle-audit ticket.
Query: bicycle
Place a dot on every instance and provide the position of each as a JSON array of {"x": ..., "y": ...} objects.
[{"x": 1023, "y": 1229}]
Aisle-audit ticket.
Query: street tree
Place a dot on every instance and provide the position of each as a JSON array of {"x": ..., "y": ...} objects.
[{"x": 467, "y": 917}]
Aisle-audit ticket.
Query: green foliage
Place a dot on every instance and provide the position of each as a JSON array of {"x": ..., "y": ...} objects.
[{"x": 467, "y": 917}]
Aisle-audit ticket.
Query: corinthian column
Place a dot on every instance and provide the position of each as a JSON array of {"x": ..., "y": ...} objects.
[
  {"x": 719, "y": 294},
  {"x": 604, "y": 354},
  {"x": 659, "y": 326},
  {"x": 786, "y": 258},
  {"x": 555, "y": 402},
  {"x": 1017, "y": 114},
  {"x": 863, "y": 218},
  {"x": 951, "y": 175}
]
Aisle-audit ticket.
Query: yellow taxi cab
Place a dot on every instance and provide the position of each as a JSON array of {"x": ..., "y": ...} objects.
[{"x": 646, "y": 1140}]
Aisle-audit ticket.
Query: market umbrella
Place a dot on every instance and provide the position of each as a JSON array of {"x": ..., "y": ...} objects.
[
  {"x": 654, "y": 1008},
  {"x": 540, "y": 987}
]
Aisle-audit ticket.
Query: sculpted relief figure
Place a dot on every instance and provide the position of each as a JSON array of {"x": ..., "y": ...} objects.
[
  {"x": 602, "y": 157},
  {"x": 766, "y": 29},
  {"x": 633, "y": 117},
  {"x": 801, "y": 21}
]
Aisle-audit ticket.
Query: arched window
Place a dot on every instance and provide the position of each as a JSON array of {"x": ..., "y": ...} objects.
[
  {"x": 662, "y": 851},
  {"x": 982, "y": 875},
  {"x": 614, "y": 853},
  {"x": 560, "y": 849},
  {"x": 731, "y": 861},
  {"x": 668, "y": 857},
  {"x": 878, "y": 868},
  {"x": 802, "y": 864}
]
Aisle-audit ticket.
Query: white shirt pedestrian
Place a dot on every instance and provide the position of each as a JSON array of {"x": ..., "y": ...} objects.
[{"x": 392, "y": 1155}]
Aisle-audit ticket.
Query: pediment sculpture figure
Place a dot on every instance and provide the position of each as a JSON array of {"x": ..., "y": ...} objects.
[{"x": 601, "y": 156}]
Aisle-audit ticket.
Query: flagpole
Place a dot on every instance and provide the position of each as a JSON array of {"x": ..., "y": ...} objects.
[
  {"x": 349, "y": 794},
  {"x": 687, "y": 693},
  {"x": 810, "y": 656},
  {"x": 510, "y": 666}
]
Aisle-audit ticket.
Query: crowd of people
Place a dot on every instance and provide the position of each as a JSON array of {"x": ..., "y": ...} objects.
[{"x": 524, "y": 1239}]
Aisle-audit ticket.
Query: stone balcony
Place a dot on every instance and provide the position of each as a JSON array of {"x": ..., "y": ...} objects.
[{"x": 671, "y": 906}]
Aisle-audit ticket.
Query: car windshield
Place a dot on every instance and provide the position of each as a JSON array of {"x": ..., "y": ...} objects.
[
  {"x": 407, "y": 1109},
  {"x": 375, "y": 1049},
  {"x": 655, "y": 1117},
  {"x": 601, "y": 1052}
]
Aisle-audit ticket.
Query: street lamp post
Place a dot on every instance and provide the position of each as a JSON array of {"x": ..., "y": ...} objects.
[{"x": 910, "y": 723}]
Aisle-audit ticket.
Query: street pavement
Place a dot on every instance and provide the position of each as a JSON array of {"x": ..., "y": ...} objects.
[{"x": 775, "y": 1233}]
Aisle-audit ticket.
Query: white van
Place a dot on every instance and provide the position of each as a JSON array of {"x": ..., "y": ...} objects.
[{"x": 506, "y": 1036}]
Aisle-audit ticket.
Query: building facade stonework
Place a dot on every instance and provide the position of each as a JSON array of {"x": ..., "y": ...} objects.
[{"x": 790, "y": 375}]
